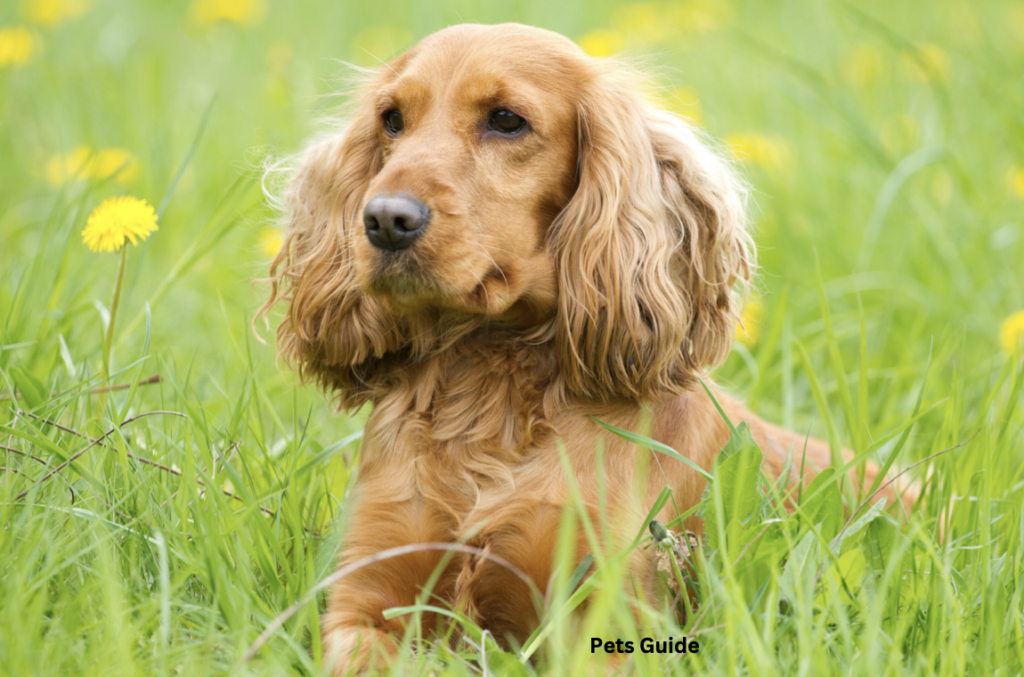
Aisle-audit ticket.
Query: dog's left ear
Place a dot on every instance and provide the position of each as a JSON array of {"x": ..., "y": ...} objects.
[
  {"x": 332, "y": 332},
  {"x": 648, "y": 251}
]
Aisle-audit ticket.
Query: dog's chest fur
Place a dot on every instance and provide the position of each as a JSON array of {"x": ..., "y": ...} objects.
[{"x": 469, "y": 418}]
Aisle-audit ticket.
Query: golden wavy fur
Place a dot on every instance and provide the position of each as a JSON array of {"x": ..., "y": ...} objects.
[{"x": 585, "y": 264}]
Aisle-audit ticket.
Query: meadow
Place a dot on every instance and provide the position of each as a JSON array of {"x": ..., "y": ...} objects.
[{"x": 168, "y": 492}]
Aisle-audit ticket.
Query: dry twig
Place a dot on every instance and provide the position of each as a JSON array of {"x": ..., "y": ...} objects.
[
  {"x": 92, "y": 444},
  {"x": 155, "y": 378},
  {"x": 230, "y": 451}
]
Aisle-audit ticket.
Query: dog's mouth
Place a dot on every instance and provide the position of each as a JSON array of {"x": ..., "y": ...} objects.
[
  {"x": 401, "y": 275},
  {"x": 404, "y": 287},
  {"x": 408, "y": 283}
]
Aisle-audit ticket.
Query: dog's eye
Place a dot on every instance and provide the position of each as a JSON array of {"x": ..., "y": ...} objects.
[
  {"x": 393, "y": 121},
  {"x": 505, "y": 122}
]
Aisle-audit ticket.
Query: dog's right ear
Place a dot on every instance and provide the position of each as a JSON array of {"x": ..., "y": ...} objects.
[{"x": 332, "y": 332}]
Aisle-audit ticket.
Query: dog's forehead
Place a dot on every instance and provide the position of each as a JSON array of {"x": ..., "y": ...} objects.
[{"x": 479, "y": 63}]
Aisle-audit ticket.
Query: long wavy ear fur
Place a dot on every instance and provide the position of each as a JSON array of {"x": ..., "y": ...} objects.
[
  {"x": 649, "y": 251},
  {"x": 332, "y": 331}
]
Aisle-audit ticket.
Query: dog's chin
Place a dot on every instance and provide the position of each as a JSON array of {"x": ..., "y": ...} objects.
[
  {"x": 410, "y": 293},
  {"x": 399, "y": 287},
  {"x": 399, "y": 277}
]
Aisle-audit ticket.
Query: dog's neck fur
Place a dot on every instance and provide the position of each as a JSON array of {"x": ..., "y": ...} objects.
[
  {"x": 468, "y": 417},
  {"x": 490, "y": 391}
]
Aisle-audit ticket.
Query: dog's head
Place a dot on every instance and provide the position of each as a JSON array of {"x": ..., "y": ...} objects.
[{"x": 497, "y": 175}]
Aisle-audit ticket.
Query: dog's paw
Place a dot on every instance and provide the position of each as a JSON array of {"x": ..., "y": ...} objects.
[{"x": 358, "y": 650}]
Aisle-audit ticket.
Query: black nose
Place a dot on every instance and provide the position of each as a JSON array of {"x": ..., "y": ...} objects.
[{"x": 394, "y": 222}]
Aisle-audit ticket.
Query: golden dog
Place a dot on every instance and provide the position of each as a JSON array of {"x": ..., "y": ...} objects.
[{"x": 506, "y": 240}]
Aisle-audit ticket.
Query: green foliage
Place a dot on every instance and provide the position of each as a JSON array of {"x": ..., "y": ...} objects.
[
  {"x": 160, "y": 527},
  {"x": 733, "y": 499}
]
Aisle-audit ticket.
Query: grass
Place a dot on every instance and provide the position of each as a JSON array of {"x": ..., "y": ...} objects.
[{"x": 885, "y": 145}]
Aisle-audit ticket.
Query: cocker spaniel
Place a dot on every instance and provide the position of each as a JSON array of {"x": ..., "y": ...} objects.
[{"x": 505, "y": 242}]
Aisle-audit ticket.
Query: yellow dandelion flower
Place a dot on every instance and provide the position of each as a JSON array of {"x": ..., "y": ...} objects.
[
  {"x": 53, "y": 12},
  {"x": 863, "y": 66},
  {"x": 770, "y": 153},
  {"x": 929, "y": 63},
  {"x": 117, "y": 219},
  {"x": 70, "y": 166},
  {"x": 664, "y": 20},
  {"x": 683, "y": 100},
  {"x": 602, "y": 42},
  {"x": 16, "y": 46},
  {"x": 1017, "y": 179},
  {"x": 82, "y": 163},
  {"x": 898, "y": 133},
  {"x": 1011, "y": 334},
  {"x": 242, "y": 12},
  {"x": 375, "y": 45},
  {"x": 109, "y": 161},
  {"x": 270, "y": 242},
  {"x": 748, "y": 329}
]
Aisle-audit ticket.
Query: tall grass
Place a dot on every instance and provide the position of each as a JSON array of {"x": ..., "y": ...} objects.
[{"x": 160, "y": 525}]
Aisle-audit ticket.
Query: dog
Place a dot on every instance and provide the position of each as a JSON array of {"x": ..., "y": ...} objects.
[{"x": 506, "y": 242}]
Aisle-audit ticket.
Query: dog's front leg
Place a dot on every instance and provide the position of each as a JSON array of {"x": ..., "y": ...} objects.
[
  {"x": 517, "y": 536},
  {"x": 356, "y": 634}
]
